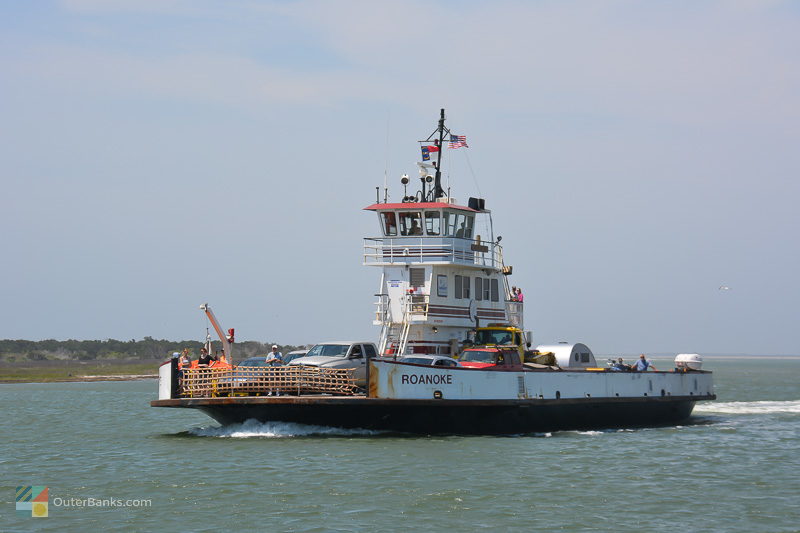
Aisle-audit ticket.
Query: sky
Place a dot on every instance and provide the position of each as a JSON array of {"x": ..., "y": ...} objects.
[{"x": 636, "y": 156}]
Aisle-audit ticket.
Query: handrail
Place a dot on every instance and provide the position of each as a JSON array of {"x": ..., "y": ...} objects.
[{"x": 390, "y": 250}]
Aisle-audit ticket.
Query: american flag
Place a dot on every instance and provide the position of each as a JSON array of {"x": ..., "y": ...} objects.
[{"x": 457, "y": 141}]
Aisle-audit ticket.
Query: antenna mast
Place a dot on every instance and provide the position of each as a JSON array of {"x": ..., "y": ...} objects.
[{"x": 437, "y": 184}]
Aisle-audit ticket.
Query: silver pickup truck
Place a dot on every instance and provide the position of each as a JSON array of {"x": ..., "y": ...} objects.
[{"x": 341, "y": 354}]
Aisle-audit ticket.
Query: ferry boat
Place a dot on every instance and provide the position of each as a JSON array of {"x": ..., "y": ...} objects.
[{"x": 443, "y": 279}]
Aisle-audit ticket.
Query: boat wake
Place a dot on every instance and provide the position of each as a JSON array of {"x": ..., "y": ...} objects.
[
  {"x": 254, "y": 428},
  {"x": 749, "y": 408}
]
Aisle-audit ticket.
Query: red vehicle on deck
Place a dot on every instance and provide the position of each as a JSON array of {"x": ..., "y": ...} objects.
[{"x": 489, "y": 357}]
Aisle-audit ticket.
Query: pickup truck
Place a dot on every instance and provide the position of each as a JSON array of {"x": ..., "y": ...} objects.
[
  {"x": 341, "y": 354},
  {"x": 502, "y": 335}
]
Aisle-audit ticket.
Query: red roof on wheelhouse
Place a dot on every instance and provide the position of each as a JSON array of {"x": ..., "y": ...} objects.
[{"x": 418, "y": 205}]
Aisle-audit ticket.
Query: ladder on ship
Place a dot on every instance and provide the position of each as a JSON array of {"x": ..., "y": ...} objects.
[{"x": 394, "y": 335}]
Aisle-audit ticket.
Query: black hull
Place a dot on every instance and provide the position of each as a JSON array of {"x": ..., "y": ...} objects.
[{"x": 464, "y": 417}]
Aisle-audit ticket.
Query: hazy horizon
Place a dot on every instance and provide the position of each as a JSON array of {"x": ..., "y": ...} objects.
[{"x": 636, "y": 158}]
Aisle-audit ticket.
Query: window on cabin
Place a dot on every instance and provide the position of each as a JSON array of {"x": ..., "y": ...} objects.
[
  {"x": 462, "y": 287},
  {"x": 432, "y": 222},
  {"x": 410, "y": 223},
  {"x": 478, "y": 288},
  {"x": 495, "y": 288},
  {"x": 461, "y": 225},
  {"x": 469, "y": 222},
  {"x": 486, "y": 291},
  {"x": 441, "y": 285},
  {"x": 389, "y": 224},
  {"x": 449, "y": 224}
]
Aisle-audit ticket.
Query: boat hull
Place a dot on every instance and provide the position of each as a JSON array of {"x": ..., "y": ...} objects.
[{"x": 465, "y": 417}]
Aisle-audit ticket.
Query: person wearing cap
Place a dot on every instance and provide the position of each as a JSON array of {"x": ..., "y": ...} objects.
[
  {"x": 642, "y": 364},
  {"x": 274, "y": 358}
]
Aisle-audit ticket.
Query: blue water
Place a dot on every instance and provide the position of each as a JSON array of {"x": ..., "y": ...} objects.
[{"x": 735, "y": 467}]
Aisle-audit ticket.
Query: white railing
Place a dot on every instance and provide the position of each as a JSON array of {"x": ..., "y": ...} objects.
[
  {"x": 514, "y": 312},
  {"x": 390, "y": 250},
  {"x": 382, "y": 308},
  {"x": 416, "y": 305}
]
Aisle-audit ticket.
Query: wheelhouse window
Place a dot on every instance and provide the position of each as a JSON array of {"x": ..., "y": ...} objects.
[
  {"x": 449, "y": 224},
  {"x": 469, "y": 221},
  {"x": 410, "y": 223},
  {"x": 459, "y": 225},
  {"x": 432, "y": 222},
  {"x": 389, "y": 224}
]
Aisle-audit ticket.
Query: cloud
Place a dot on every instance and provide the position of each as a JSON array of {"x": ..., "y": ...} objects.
[{"x": 693, "y": 64}]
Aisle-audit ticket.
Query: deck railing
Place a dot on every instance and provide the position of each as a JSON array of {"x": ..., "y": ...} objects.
[
  {"x": 259, "y": 380},
  {"x": 391, "y": 250},
  {"x": 514, "y": 311}
]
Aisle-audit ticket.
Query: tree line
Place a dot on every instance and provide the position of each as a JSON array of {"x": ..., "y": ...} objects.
[{"x": 147, "y": 348}]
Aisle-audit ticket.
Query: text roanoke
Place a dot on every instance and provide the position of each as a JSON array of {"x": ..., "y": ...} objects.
[{"x": 425, "y": 379}]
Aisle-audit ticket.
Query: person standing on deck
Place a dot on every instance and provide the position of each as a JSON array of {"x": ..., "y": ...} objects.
[
  {"x": 204, "y": 359},
  {"x": 642, "y": 364},
  {"x": 274, "y": 358},
  {"x": 184, "y": 360},
  {"x": 520, "y": 298}
]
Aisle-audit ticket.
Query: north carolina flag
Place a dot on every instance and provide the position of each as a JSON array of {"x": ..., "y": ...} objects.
[{"x": 427, "y": 151}]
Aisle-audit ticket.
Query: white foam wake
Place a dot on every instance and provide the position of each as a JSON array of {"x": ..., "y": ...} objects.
[
  {"x": 749, "y": 408},
  {"x": 254, "y": 428}
]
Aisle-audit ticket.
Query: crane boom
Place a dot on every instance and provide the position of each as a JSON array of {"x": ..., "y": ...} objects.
[{"x": 226, "y": 340}]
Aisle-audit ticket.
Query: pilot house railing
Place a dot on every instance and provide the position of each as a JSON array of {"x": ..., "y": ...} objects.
[{"x": 387, "y": 250}]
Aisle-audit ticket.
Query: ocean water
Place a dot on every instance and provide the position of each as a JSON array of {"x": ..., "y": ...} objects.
[{"x": 112, "y": 462}]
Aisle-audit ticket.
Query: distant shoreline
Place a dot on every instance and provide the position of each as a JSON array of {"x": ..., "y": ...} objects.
[
  {"x": 87, "y": 372},
  {"x": 78, "y": 371}
]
